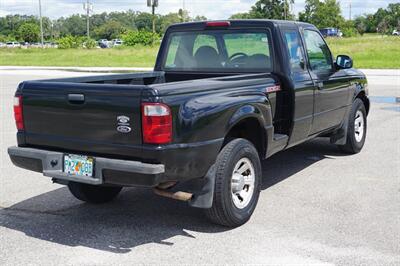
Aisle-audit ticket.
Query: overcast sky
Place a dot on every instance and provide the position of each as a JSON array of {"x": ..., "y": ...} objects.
[{"x": 212, "y": 9}]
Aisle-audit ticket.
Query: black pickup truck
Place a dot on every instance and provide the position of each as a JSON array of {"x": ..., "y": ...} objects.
[{"x": 223, "y": 96}]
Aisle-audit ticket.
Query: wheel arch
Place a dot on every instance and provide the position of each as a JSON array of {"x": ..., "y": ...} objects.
[
  {"x": 248, "y": 123},
  {"x": 363, "y": 97}
]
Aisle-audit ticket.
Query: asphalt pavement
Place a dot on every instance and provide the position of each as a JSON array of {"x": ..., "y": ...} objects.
[{"x": 317, "y": 206}]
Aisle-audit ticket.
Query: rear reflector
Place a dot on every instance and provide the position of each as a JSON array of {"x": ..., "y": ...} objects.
[
  {"x": 18, "y": 114},
  {"x": 218, "y": 24},
  {"x": 156, "y": 123}
]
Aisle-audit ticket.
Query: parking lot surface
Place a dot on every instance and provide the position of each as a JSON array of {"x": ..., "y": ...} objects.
[{"x": 318, "y": 206}]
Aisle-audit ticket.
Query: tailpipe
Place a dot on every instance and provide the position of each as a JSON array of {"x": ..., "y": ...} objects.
[{"x": 179, "y": 195}]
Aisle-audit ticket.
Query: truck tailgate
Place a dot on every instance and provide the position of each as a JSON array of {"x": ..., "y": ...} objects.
[{"x": 91, "y": 118}]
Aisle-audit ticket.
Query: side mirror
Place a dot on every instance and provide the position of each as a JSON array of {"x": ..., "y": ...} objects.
[{"x": 344, "y": 61}]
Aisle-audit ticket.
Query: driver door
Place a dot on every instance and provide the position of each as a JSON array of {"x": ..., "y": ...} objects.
[{"x": 331, "y": 91}]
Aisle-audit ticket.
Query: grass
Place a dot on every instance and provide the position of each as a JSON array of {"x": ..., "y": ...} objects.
[
  {"x": 117, "y": 57},
  {"x": 369, "y": 51}
]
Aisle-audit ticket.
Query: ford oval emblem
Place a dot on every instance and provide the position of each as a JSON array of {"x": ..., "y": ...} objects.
[
  {"x": 122, "y": 119},
  {"x": 124, "y": 129}
]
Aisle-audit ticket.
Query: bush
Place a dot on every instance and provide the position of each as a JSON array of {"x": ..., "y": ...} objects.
[
  {"x": 69, "y": 41},
  {"x": 349, "y": 28},
  {"x": 146, "y": 38},
  {"x": 90, "y": 44},
  {"x": 349, "y": 32}
]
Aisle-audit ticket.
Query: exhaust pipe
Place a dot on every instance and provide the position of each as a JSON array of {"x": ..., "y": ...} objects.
[{"x": 179, "y": 195}]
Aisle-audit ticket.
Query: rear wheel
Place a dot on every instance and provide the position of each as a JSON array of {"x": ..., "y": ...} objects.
[
  {"x": 237, "y": 184},
  {"x": 357, "y": 128},
  {"x": 93, "y": 194}
]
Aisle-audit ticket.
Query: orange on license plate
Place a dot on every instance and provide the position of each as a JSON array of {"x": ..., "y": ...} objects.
[{"x": 79, "y": 165}]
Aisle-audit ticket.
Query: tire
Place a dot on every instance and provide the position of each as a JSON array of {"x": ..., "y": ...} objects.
[
  {"x": 93, "y": 194},
  {"x": 357, "y": 128},
  {"x": 227, "y": 208}
]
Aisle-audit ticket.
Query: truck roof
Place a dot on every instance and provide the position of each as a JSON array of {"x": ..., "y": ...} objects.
[{"x": 240, "y": 23}]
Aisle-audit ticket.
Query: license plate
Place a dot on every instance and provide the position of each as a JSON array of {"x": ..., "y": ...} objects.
[{"x": 78, "y": 165}]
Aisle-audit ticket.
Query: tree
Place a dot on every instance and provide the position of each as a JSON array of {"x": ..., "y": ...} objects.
[
  {"x": 271, "y": 9},
  {"x": 360, "y": 24},
  {"x": 109, "y": 30},
  {"x": 74, "y": 25},
  {"x": 168, "y": 20},
  {"x": 199, "y": 18},
  {"x": 29, "y": 32},
  {"x": 184, "y": 15},
  {"x": 267, "y": 9},
  {"x": 322, "y": 14},
  {"x": 383, "y": 26},
  {"x": 144, "y": 21},
  {"x": 240, "y": 16}
]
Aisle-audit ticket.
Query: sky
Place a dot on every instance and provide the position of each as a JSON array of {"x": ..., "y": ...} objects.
[{"x": 212, "y": 9}]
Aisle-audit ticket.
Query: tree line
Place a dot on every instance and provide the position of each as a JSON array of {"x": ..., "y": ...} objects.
[
  {"x": 102, "y": 26},
  {"x": 322, "y": 13},
  {"x": 327, "y": 13}
]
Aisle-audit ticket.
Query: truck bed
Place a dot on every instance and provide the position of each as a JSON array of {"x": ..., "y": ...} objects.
[{"x": 80, "y": 115}]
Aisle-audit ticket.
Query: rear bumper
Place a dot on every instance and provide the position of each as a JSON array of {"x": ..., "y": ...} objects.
[{"x": 106, "y": 171}]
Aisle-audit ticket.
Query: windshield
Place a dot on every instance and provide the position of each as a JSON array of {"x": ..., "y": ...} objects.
[{"x": 219, "y": 51}]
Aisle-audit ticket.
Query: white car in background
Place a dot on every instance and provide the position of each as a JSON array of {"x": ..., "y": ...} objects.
[
  {"x": 117, "y": 42},
  {"x": 2, "y": 45},
  {"x": 13, "y": 44},
  {"x": 104, "y": 43},
  {"x": 396, "y": 33}
]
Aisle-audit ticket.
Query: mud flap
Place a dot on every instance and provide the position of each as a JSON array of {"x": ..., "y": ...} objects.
[
  {"x": 202, "y": 189},
  {"x": 340, "y": 136}
]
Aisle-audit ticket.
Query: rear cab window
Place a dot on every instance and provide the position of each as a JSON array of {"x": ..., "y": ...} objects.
[{"x": 219, "y": 51}]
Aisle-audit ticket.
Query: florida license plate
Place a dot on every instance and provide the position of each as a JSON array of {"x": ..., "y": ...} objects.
[{"x": 78, "y": 165}]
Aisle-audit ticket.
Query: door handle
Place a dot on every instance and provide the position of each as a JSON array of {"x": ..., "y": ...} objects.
[{"x": 76, "y": 98}]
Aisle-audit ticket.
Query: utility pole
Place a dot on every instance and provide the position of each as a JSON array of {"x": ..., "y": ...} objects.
[
  {"x": 284, "y": 10},
  {"x": 183, "y": 11},
  {"x": 153, "y": 4},
  {"x": 41, "y": 24},
  {"x": 88, "y": 7},
  {"x": 350, "y": 10}
]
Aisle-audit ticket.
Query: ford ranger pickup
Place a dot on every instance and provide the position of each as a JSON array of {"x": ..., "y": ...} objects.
[{"x": 223, "y": 96}]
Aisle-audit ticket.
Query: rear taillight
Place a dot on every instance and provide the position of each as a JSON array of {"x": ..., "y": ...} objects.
[
  {"x": 156, "y": 123},
  {"x": 18, "y": 114}
]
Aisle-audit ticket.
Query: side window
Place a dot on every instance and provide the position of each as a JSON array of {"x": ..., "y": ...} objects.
[
  {"x": 172, "y": 51},
  {"x": 293, "y": 44},
  {"x": 318, "y": 52}
]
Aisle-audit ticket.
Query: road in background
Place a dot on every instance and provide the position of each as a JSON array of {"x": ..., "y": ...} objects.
[{"x": 317, "y": 205}]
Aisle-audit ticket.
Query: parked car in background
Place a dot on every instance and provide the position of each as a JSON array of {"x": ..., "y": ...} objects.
[
  {"x": 104, "y": 43},
  {"x": 331, "y": 32},
  {"x": 13, "y": 44},
  {"x": 396, "y": 33},
  {"x": 117, "y": 42},
  {"x": 35, "y": 45},
  {"x": 2, "y": 45}
]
